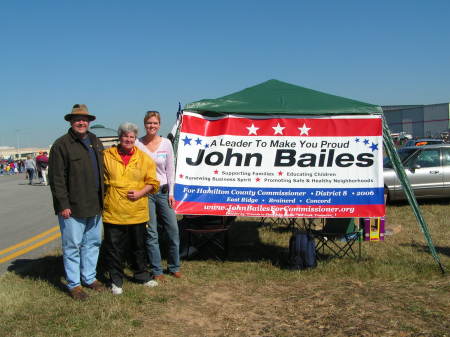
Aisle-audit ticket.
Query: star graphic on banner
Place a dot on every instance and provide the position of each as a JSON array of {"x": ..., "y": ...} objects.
[
  {"x": 216, "y": 171},
  {"x": 366, "y": 141},
  {"x": 280, "y": 173},
  {"x": 257, "y": 179},
  {"x": 186, "y": 140},
  {"x": 198, "y": 141},
  {"x": 304, "y": 130},
  {"x": 252, "y": 129},
  {"x": 206, "y": 146},
  {"x": 278, "y": 129},
  {"x": 374, "y": 147},
  {"x": 357, "y": 140},
  {"x": 181, "y": 176}
]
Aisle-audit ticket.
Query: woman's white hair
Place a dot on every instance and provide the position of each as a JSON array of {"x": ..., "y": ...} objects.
[{"x": 126, "y": 128}]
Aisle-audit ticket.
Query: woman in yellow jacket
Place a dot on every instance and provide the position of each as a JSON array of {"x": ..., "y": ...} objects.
[{"x": 129, "y": 176}]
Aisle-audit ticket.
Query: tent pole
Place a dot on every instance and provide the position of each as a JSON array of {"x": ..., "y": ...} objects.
[
  {"x": 398, "y": 167},
  {"x": 176, "y": 139}
]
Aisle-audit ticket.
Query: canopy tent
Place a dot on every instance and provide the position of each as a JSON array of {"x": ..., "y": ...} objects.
[
  {"x": 282, "y": 98},
  {"x": 276, "y": 97}
]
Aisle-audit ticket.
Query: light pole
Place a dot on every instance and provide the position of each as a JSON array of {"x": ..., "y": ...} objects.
[{"x": 17, "y": 139}]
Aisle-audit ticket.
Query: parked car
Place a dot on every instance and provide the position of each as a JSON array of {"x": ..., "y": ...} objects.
[
  {"x": 428, "y": 170},
  {"x": 423, "y": 141}
]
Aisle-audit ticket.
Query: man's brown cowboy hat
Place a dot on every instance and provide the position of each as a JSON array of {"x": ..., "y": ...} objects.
[{"x": 79, "y": 110}]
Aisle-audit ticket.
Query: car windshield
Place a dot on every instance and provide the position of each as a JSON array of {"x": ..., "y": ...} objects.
[
  {"x": 420, "y": 142},
  {"x": 403, "y": 153}
]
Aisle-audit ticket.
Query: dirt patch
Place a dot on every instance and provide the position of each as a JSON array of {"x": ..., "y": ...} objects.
[{"x": 352, "y": 308}]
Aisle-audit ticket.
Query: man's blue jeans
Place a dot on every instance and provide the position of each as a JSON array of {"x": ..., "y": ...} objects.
[
  {"x": 161, "y": 211},
  {"x": 81, "y": 239}
]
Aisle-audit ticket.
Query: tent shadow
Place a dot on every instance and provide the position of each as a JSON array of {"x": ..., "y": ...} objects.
[
  {"x": 423, "y": 248},
  {"x": 47, "y": 268},
  {"x": 245, "y": 244}
]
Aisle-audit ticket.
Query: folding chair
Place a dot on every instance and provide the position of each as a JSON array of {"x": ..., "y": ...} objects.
[
  {"x": 289, "y": 223},
  {"x": 208, "y": 234},
  {"x": 338, "y": 236}
]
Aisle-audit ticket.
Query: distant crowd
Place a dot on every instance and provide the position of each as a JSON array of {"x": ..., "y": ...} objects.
[
  {"x": 32, "y": 167},
  {"x": 11, "y": 167}
]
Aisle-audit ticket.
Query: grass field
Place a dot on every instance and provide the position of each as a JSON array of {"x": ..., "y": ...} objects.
[{"x": 395, "y": 290}]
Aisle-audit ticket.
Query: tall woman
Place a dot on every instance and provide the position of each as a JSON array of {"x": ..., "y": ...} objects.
[
  {"x": 161, "y": 203},
  {"x": 129, "y": 176}
]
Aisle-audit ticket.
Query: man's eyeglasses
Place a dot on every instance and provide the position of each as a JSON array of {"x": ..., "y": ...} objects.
[{"x": 79, "y": 119}]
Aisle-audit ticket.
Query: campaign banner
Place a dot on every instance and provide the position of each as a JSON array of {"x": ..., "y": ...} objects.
[{"x": 280, "y": 166}]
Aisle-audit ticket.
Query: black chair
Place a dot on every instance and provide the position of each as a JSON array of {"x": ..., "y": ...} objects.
[
  {"x": 290, "y": 224},
  {"x": 208, "y": 234},
  {"x": 338, "y": 237}
]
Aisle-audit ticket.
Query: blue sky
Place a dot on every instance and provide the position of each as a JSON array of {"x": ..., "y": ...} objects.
[{"x": 122, "y": 58}]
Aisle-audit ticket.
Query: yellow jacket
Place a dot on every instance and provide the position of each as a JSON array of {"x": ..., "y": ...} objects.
[{"x": 119, "y": 179}]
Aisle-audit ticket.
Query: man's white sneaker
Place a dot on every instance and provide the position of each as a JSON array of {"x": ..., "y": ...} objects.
[
  {"x": 151, "y": 283},
  {"x": 116, "y": 290}
]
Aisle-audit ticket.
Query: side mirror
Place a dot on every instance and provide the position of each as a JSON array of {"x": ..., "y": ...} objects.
[{"x": 414, "y": 167}]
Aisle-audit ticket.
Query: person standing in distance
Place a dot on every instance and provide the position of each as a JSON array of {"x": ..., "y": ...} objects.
[
  {"x": 30, "y": 166},
  {"x": 42, "y": 166},
  {"x": 76, "y": 182}
]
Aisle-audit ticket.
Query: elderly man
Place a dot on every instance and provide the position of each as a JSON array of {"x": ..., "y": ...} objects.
[{"x": 76, "y": 182}]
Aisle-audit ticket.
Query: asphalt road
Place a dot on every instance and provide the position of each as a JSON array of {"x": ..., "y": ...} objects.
[{"x": 28, "y": 226}]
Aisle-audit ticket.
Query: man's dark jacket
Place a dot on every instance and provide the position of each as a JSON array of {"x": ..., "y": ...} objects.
[{"x": 71, "y": 176}]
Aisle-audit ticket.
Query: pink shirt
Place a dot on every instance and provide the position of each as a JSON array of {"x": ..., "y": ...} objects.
[{"x": 164, "y": 159}]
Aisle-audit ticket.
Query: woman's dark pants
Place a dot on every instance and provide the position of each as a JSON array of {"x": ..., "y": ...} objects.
[{"x": 120, "y": 238}]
